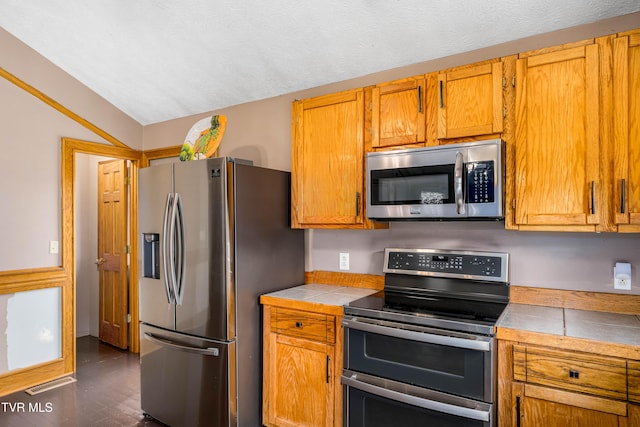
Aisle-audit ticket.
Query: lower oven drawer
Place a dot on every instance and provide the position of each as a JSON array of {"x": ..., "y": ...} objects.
[
  {"x": 450, "y": 362},
  {"x": 375, "y": 402}
]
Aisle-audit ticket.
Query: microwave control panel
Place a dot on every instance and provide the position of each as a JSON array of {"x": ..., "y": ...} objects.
[{"x": 480, "y": 182}]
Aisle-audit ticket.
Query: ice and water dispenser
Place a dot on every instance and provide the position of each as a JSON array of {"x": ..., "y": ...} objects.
[{"x": 151, "y": 255}]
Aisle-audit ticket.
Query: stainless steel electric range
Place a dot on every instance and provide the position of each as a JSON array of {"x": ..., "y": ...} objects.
[{"x": 423, "y": 351}]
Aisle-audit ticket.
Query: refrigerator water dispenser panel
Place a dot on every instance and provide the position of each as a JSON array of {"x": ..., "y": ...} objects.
[{"x": 151, "y": 255}]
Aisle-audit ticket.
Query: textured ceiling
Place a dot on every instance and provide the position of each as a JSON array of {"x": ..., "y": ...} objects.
[{"x": 162, "y": 59}]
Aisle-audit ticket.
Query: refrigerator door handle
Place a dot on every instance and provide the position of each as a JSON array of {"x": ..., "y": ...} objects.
[
  {"x": 181, "y": 250},
  {"x": 173, "y": 274},
  {"x": 211, "y": 351},
  {"x": 165, "y": 249}
]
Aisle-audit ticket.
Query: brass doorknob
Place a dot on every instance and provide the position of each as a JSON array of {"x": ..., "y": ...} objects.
[{"x": 100, "y": 261}]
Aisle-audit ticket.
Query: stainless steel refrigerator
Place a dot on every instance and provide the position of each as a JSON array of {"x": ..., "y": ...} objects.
[{"x": 215, "y": 235}]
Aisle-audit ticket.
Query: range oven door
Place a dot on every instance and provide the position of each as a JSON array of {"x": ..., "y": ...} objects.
[
  {"x": 445, "y": 361},
  {"x": 370, "y": 401}
]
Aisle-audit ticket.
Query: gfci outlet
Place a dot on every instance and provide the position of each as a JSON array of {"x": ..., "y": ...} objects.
[
  {"x": 344, "y": 260},
  {"x": 622, "y": 276}
]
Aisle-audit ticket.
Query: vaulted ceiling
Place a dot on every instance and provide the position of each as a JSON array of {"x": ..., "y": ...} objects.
[{"x": 162, "y": 59}]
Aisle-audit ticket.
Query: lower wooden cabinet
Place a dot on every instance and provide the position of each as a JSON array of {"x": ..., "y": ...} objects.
[
  {"x": 301, "y": 384},
  {"x": 543, "y": 386}
]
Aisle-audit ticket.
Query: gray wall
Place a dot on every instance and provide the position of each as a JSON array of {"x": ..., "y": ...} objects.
[{"x": 575, "y": 261}]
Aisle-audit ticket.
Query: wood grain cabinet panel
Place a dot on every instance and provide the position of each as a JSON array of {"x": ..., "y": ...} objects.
[
  {"x": 585, "y": 373},
  {"x": 626, "y": 123},
  {"x": 470, "y": 100},
  {"x": 301, "y": 370},
  {"x": 327, "y": 161},
  {"x": 398, "y": 113},
  {"x": 551, "y": 387},
  {"x": 557, "y": 140}
]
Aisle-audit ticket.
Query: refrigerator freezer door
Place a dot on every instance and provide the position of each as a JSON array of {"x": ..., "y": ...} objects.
[
  {"x": 154, "y": 199},
  {"x": 185, "y": 381},
  {"x": 205, "y": 295}
]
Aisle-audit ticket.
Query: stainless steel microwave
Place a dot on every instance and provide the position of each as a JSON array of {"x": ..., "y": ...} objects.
[{"x": 455, "y": 181}]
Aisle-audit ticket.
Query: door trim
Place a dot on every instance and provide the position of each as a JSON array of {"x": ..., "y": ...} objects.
[{"x": 70, "y": 147}]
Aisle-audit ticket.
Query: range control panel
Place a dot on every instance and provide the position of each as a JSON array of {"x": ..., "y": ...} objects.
[{"x": 490, "y": 266}]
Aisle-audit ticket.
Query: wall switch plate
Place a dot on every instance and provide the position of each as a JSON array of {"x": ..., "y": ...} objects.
[
  {"x": 344, "y": 260},
  {"x": 622, "y": 276},
  {"x": 54, "y": 247}
]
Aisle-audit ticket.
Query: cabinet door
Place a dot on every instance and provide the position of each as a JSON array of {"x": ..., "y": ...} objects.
[
  {"x": 397, "y": 113},
  {"x": 557, "y": 138},
  {"x": 470, "y": 101},
  {"x": 327, "y": 164},
  {"x": 301, "y": 390},
  {"x": 626, "y": 114},
  {"x": 541, "y": 406}
]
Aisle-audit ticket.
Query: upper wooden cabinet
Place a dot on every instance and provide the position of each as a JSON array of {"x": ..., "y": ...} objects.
[
  {"x": 327, "y": 162},
  {"x": 470, "y": 100},
  {"x": 557, "y": 140},
  {"x": 626, "y": 124},
  {"x": 398, "y": 113}
]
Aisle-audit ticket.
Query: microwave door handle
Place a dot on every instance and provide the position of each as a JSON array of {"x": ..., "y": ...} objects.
[{"x": 457, "y": 184}]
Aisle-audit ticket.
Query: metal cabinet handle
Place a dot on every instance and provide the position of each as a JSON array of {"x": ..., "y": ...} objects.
[
  {"x": 623, "y": 195},
  {"x": 419, "y": 99},
  {"x": 441, "y": 98},
  {"x": 593, "y": 197},
  {"x": 357, "y": 203},
  {"x": 517, "y": 411}
]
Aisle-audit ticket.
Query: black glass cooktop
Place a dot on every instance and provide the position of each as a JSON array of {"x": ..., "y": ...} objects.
[{"x": 436, "y": 311}]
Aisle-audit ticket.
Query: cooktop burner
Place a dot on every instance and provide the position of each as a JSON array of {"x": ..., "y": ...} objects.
[{"x": 463, "y": 291}]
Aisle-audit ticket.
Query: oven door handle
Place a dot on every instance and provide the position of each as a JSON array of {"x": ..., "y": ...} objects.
[
  {"x": 414, "y": 400},
  {"x": 425, "y": 337}
]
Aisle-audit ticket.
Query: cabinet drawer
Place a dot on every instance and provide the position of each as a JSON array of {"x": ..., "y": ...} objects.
[
  {"x": 304, "y": 324},
  {"x": 581, "y": 372}
]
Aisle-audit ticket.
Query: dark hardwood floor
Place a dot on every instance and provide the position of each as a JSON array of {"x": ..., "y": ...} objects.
[{"x": 106, "y": 393}]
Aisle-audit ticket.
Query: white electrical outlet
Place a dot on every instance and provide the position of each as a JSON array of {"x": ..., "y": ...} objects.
[
  {"x": 622, "y": 276},
  {"x": 53, "y": 247},
  {"x": 344, "y": 260}
]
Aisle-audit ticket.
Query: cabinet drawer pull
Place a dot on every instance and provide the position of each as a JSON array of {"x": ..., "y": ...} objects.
[
  {"x": 298, "y": 324},
  {"x": 419, "y": 99},
  {"x": 441, "y": 99},
  {"x": 574, "y": 374}
]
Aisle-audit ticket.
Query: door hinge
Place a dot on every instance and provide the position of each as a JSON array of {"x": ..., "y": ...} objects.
[
  {"x": 513, "y": 81},
  {"x": 513, "y": 204},
  {"x": 128, "y": 317},
  {"x": 127, "y": 249},
  {"x": 504, "y": 83},
  {"x": 127, "y": 181}
]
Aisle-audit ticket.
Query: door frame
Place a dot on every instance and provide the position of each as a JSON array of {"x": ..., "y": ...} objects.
[
  {"x": 70, "y": 147},
  {"x": 139, "y": 159}
]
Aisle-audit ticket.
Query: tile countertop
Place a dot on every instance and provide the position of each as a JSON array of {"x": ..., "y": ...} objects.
[
  {"x": 316, "y": 297},
  {"x": 602, "y": 327}
]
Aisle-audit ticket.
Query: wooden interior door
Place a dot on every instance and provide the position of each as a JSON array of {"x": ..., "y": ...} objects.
[{"x": 112, "y": 252}]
